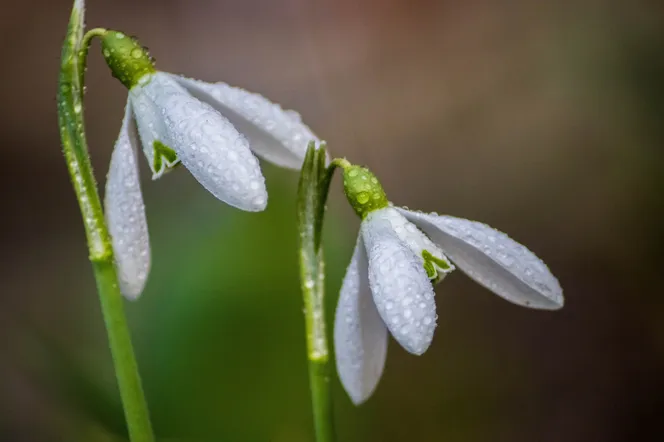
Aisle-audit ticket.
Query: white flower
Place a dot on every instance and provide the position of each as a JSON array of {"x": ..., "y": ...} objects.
[
  {"x": 388, "y": 284},
  {"x": 212, "y": 129}
]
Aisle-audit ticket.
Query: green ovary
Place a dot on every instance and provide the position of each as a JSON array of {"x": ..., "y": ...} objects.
[
  {"x": 363, "y": 191},
  {"x": 128, "y": 60}
]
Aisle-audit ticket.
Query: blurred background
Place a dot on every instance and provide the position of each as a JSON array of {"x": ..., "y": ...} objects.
[{"x": 544, "y": 120}]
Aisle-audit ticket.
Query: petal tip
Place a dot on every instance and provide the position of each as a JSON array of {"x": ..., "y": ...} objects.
[
  {"x": 258, "y": 204},
  {"x": 358, "y": 399},
  {"x": 556, "y": 302},
  {"x": 415, "y": 343},
  {"x": 132, "y": 276},
  {"x": 132, "y": 293},
  {"x": 253, "y": 201}
]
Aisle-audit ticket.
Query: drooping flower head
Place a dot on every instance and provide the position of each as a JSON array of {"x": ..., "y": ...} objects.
[
  {"x": 214, "y": 130},
  {"x": 399, "y": 255}
]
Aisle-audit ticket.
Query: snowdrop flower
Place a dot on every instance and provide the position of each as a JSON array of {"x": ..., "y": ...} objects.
[
  {"x": 398, "y": 257},
  {"x": 214, "y": 130}
]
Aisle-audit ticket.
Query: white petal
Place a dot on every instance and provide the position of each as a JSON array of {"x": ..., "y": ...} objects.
[
  {"x": 417, "y": 241},
  {"x": 207, "y": 144},
  {"x": 401, "y": 289},
  {"x": 360, "y": 336},
  {"x": 275, "y": 134},
  {"x": 125, "y": 212},
  {"x": 151, "y": 128},
  {"x": 493, "y": 259}
]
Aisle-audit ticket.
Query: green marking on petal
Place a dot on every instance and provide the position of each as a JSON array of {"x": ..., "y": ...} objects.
[
  {"x": 441, "y": 263},
  {"x": 430, "y": 269},
  {"x": 163, "y": 158},
  {"x": 363, "y": 191},
  {"x": 432, "y": 264}
]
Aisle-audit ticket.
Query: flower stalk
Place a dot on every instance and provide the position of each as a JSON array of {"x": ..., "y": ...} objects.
[
  {"x": 313, "y": 189},
  {"x": 74, "y": 145}
]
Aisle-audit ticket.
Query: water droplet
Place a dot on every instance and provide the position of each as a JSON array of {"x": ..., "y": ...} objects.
[
  {"x": 362, "y": 197},
  {"x": 136, "y": 53}
]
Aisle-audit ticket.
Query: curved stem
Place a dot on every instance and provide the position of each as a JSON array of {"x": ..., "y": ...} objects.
[
  {"x": 74, "y": 146},
  {"x": 83, "y": 53},
  {"x": 313, "y": 188},
  {"x": 339, "y": 162}
]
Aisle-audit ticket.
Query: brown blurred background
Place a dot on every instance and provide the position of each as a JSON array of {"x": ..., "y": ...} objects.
[{"x": 545, "y": 120}]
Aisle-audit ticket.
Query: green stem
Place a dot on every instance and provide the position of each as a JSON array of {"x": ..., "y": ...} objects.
[
  {"x": 312, "y": 195},
  {"x": 339, "y": 162},
  {"x": 119, "y": 339},
  {"x": 74, "y": 145},
  {"x": 83, "y": 53}
]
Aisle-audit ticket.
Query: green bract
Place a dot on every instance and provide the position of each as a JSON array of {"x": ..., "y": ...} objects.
[
  {"x": 363, "y": 190},
  {"x": 128, "y": 60}
]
